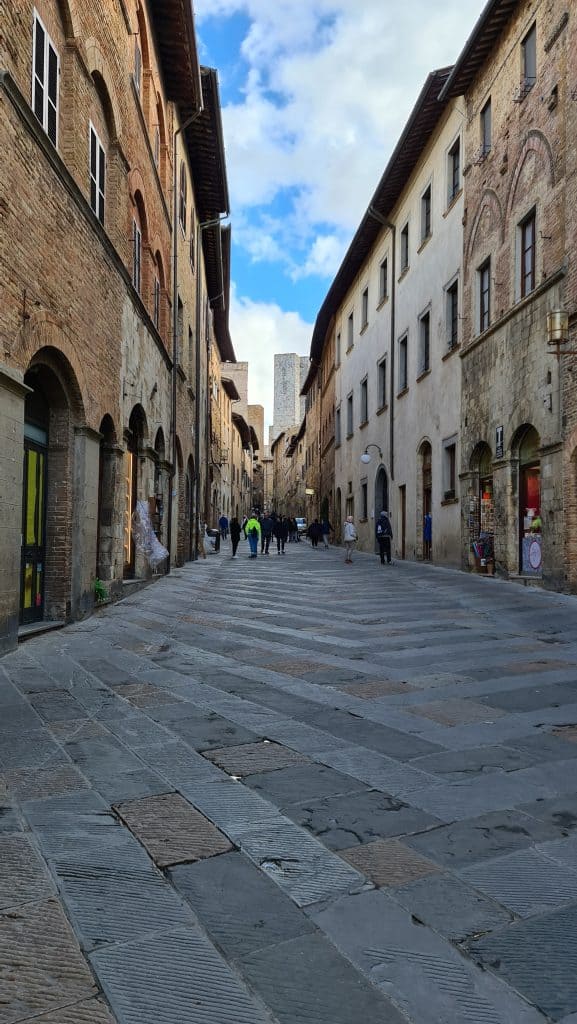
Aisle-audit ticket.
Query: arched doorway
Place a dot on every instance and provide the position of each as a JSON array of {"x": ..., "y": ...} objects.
[
  {"x": 530, "y": 524},
  {"x": 160, "y": 485},
  {"x": 424, "y": 537},
  {"x": 108, "y": 483},
  {"x": 189, "y": 509},
  {"x": 481, "y": 507},
  {"x": 135, "y": 436},
  {"x": 52, "y": 409}
]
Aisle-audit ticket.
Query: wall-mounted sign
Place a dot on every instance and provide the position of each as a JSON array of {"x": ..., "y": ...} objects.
[{"x": 499, "y": 446}]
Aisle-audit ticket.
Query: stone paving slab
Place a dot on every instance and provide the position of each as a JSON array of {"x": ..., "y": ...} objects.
[
  {"x": 305, "y": 981},
  {"x": 388, "y": 862},
  {"x": 41, "y": 967},
  {"x": 342, "y": 821},
  {"x": 23, "y": 876},
  {"x": 239, "y": 906},
  {"x": 426, "y": 978},
  {"x": 310, "y": 781},
  {"x": 484, "y": 837},
  {"x": 171, "y": 978},
  {"x": 251, "y": 758},
  {"x": 457, "y": 712},
  {"x": 171, "y": 830},
  {"x": 36, "y": 783},
  {"x": 93, "y": 1011},
  {"x": 526, "y": 883},
  {"x": 458, "y": 765},
  {"x": 56, "y": 706},
  {"x": 9, "y": 819},
  {"x": 451, "y": 907}
]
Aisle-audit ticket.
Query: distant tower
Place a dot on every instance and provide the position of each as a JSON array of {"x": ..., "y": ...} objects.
[{"x": 290, "y": 371}]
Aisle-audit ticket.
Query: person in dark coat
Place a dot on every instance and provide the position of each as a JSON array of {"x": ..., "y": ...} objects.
[
  {"x": 266, "y": 527},
  {"x": 326, "y": 529},
  {"x": 384, "y": 535},
  {"x": 315, "y": 532},
  {"x": 234, "y": 528},
  {"x": 281, "y": 534}
]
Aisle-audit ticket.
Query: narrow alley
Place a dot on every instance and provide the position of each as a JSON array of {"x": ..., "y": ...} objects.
[{"x": 293, "y": 790}]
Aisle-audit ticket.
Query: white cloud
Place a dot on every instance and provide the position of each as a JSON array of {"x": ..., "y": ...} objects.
[
  {"x": 259, "y": 330},
  {"x": 324, "y": 258},
  {"x": 328, "y": 87}
]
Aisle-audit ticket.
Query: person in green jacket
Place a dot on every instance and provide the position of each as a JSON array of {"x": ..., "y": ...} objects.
[{"x": 252, "y": 531}]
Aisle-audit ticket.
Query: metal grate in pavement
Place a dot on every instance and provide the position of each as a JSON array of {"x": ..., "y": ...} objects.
[
  {"x": 172, "y": 978},
  {"x": 171, "y": 830}
]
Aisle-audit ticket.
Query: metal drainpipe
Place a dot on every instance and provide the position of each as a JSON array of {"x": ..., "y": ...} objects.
[
  {"x": 392, "y": 228},
  {"x": 180, "y": 129}
]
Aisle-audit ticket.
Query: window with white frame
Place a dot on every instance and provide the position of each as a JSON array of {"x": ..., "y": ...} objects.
[
  {"x": 365, "y": 309},
  {"x": 424, "y": 343},
  {"x": 403, "y": 363},
  {"x": 350, "y": 331},
  {"x": 426, "y": 214},
  {"x": 136, "y": 255},
  {"x": 382, "y": 382},
  {"x": 182, "y": 195},
  {"x": 364, "y": 401},
  {"x": 454, "y": 170},
  {"x": 45, "y": 77},
  {"x": 349, "y": 414},
  {"x": 97, "y": 174},
  {"x": 452, "y": 315},
  {"x": 383, "y": 280},
  {"x": 405, "y": 247},
  {"x": 484, "y": 295}
]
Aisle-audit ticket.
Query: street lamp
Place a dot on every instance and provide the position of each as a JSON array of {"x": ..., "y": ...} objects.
[{"x": 366, "y": 457}]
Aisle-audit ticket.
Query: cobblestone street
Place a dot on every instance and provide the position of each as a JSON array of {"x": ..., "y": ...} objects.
[{"x": 294, "y": 790}]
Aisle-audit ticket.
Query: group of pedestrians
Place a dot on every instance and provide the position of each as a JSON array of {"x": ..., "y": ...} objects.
[
  {"x": 259, "y": 531},
  {"x": 383, "y": 535},
  {"x": 320, "y": 531}
]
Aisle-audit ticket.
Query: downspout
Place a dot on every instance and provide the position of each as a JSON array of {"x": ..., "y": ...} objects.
[
  {"x": 392, "y": 228},
  {"x": 180, "y": 129}
]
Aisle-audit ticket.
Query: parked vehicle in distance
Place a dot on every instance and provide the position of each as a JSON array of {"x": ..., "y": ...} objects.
[{"x": 301, "y": 525}]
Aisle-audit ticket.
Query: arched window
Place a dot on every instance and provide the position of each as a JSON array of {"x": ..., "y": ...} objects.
[{"x": 182, "y": 196}]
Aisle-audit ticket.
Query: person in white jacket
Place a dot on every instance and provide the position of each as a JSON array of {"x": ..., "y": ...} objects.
[{"x": 349, "y": 537}]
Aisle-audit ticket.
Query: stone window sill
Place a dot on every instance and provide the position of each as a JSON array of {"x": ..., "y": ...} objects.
[
  {"x": 423, "y": 374},
  {"x": 451, "y": 352},
  {"x": 402, "y": 392},
  {"x": 404, "y": 273},
  {"x": 452, "y": 202},
  {"x": 449, "y": 501},
  {"x": 382, "y": 302},
  {"x": 424, "y": 242},
  {"x": 381, "y": 409},
  {"x": 364, "y": 424},
  {"x": 363, "y": 328}
]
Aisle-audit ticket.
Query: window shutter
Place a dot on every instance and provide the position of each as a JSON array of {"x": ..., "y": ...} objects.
[
  {"x": 101, "y": 182},
  {"x": 52, "y": 98}
]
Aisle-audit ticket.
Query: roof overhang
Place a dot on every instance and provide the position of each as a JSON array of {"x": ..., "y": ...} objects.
[
  {"x": 205, "y": 142},
  {"x": 173, "y": 23},
  {"x": 415, "y": 136},
  {"x": 479, "y": 46},
  {"x": 243, "y": 429},
  {"x": 230, "y": 388},
  {"x": 253, "y": 439},
  {"x": 216, "y": 241},
  {"x": 276, "y": 441}
]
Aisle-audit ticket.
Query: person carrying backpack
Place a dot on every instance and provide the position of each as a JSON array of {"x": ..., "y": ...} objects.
[
  {"x": 384, "y": 535},
  {"x": 252, "y": 532},
  {"x": 349, "y": 537}
]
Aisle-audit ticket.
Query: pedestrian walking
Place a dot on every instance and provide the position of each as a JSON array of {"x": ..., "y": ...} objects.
[
  {"x": 384, "y": 535},
  {"x": 281, "y": 534},
  {"x": 314, "y": 532},
  {"x": 266, "y": 525},
  {"x": 252, "y": 532},
  {"x": 349, "y": 537},
  {"x": 223, "y": 526},
  {"x": 234, "y": 534},
  {"x": 326, "y": 529}
]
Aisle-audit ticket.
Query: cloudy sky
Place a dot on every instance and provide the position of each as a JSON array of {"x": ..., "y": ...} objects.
[{"x": 315, "y": 94}]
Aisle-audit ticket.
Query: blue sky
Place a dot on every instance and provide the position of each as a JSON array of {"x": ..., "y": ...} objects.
[{"x": 314, "y": 94}]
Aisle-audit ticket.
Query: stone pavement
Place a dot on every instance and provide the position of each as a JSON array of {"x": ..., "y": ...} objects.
[{"x": 293, "y": 790}]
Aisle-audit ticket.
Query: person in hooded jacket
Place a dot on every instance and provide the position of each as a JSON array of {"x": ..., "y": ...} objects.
[
  {"x": 281, "y": 534},
  {"x": 234, "y": 528},
  {"x": 252, "y": 533},
  {"x": 384, "y": 535}
]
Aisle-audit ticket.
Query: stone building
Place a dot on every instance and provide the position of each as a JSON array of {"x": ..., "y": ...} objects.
[
  {"x": 323, "y": 376},
  {"x": 290, "y": 371},
  {"x": 385, "y": 347},
  {"x": 112, "y": 174},
  {"x": 518, "y": 427}
]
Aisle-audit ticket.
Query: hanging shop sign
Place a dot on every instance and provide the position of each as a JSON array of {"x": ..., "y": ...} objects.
[{"x": 499, "y": 445}]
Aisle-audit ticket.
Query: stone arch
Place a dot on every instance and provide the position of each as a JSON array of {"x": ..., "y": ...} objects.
[
  {"x": 104, "y": 83},
  {"x": 536, "y": 143},
  {"x": 424, "y": 498},
  {"x": 142, "y": 32},
  {"x": 524, "y": 436},
  {"x": 70, "y": 18},
  {"x": 491, "y": 203},
  {"x": 45, "y": 332},
  {"x": 108, "y": 535},
  {"x": 479, "y": 456}
]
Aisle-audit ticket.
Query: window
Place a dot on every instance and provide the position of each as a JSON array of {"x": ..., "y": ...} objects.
[
  {"x": 382, "y": 382},
  {"x": 350, "y": 331},
  {"x": 527, "y": 238},
  {"x": 157, "y": 147},
  {"x": 453, "y": 315},
  {"x": 486, "y": 128},
  {"x": 338, "y": 349},
  {"x": 349, "y": 415},
  {"x": 403, "y": 365},
  {"x": 365, "y": 309},
  {"x": 97, "y": 175},
  {"x": 136, "y": 255},
  {"x": 426, "y": 214},
  {"x": 450, "y": 468},
  {"x": 191, "y": 243},
  {"x": 180, "y": 329},
  {"x": 364, "y": 401},
  {"x": 45, "y": 75},
  {"x": 484, "y": 279},
  {"x": 182, "y": 197},
  {"x": 338, "y": 426},
  {"x": 454, "y": 170},
  {"x": 137, "y": 67},
  {"x": 156, "y": 315},
  {"x": 405, "y": 247},
  {"x": 384, "y": 280},
  {"x": 364, "y": 501},
  {"x": 529, "y": 60},
  {"x": 425, "y": 343},
  {"x": 350, "y": 502}
]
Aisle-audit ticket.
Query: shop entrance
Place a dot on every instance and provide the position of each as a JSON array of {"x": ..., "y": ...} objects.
[
  {"x": 482, "y": 509},
  {"x": 530, "y": 524},
  {"x": 34, "y": 509}
]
